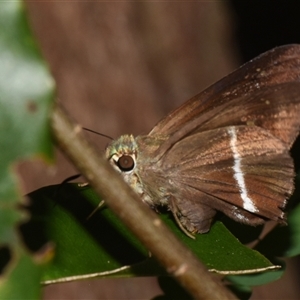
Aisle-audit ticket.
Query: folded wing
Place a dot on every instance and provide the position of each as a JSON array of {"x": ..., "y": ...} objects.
[{"x": 243, "y": 171}]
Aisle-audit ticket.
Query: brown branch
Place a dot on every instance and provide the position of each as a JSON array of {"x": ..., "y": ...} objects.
[{"x": 144, "y": 223}]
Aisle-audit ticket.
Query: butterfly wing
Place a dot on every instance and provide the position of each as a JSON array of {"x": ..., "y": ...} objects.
[
  {"x": 231, "y": 157},
  {"x": 226, "y": 149},
  {"x": 243, "y": 171},
  {"x": 230, "y": 100}
]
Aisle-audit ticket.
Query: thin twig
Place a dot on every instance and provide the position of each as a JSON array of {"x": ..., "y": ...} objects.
[{"x": 138, "y": 217}]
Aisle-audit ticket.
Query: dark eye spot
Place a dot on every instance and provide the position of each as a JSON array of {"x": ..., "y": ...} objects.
[{"x": 125, "y": 163}]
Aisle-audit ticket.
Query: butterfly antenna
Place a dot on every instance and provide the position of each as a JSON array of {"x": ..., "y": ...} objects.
[{"x": 104, "y": 135}]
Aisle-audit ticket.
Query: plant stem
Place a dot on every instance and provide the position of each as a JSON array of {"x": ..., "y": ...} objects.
[{"x": 178, "y": 260}]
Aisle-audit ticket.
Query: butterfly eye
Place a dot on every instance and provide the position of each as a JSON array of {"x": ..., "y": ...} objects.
[{"x": 125, "y": 163}]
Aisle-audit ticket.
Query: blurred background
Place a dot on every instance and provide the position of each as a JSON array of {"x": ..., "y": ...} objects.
[{"x": 122, "y": 66}]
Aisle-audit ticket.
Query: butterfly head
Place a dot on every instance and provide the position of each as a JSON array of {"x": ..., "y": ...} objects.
[
  {"x": 125, "y": 157},
  {"x": 122, "y": 154}
]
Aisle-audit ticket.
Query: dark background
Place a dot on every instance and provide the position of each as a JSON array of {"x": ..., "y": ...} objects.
[
  {"x": 121, "y": 66},
  {"x": 262, "y": 25}
]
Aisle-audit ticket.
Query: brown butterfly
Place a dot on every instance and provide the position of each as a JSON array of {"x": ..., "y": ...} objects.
[{"x": 226, "y": 149}]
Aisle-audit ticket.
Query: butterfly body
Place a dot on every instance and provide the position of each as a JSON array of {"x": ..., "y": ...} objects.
[{"x": 226, "y": 149}]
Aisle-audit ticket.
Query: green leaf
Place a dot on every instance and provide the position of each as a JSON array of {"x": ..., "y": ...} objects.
[
  {"x": 26, "y": 92},
  {"x": 22, "y": 282},
  {"x": 102, "y": 246},
  {"x": 257, "y": 279}
]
